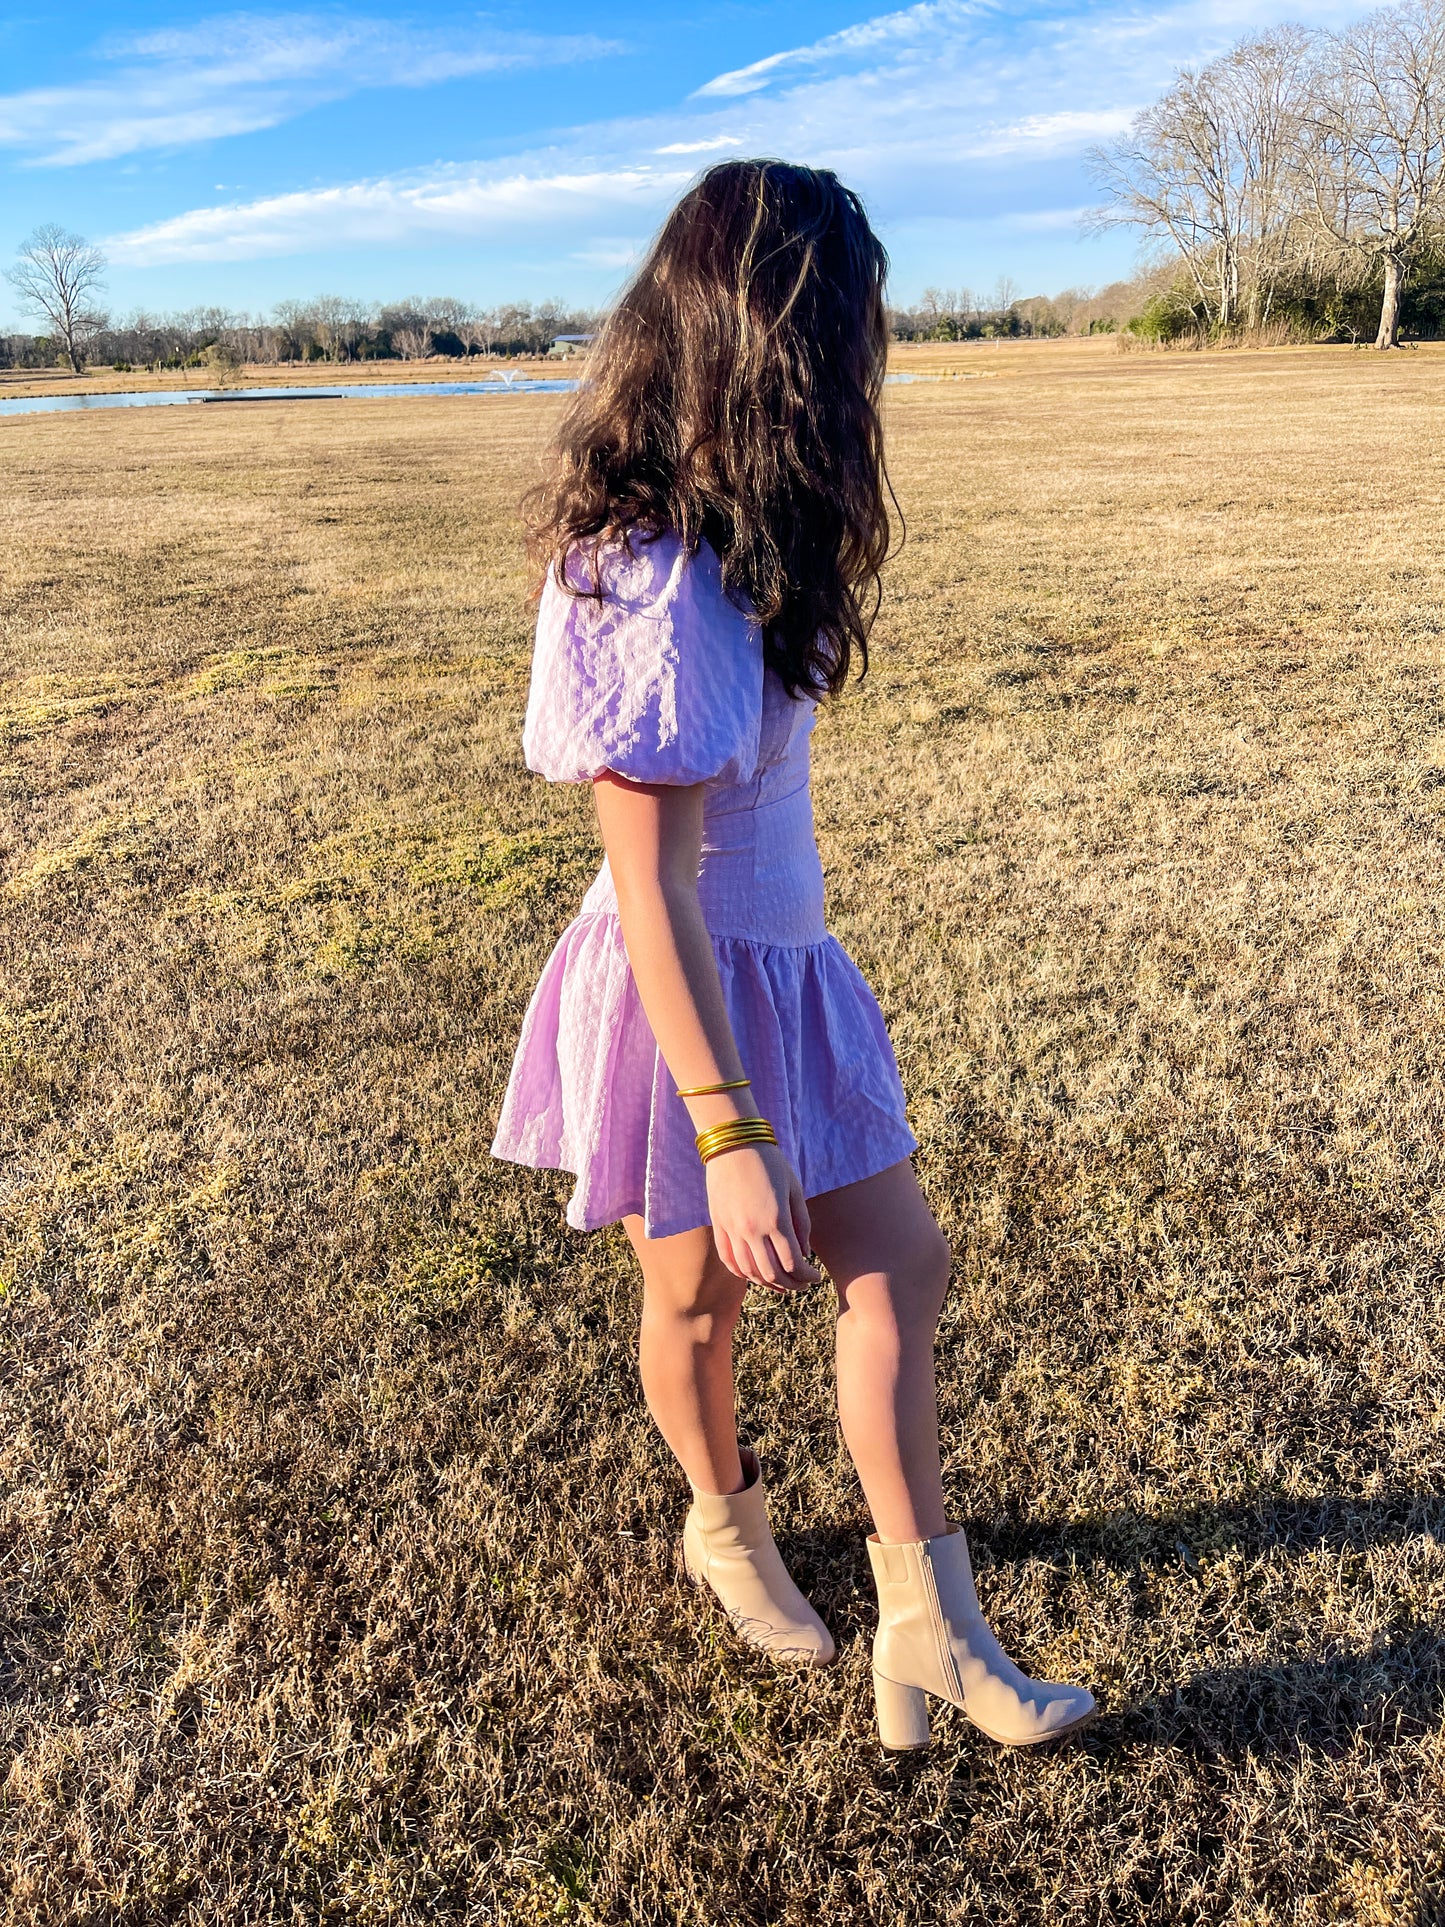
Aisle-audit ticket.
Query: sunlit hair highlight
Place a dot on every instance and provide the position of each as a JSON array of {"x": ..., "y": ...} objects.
[{"x": 732, "y": 397}]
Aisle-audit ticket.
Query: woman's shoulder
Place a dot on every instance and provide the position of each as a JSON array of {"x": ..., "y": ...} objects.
[
  {"x": 642, "y": 666},
  {"x": 649, "y": 573}
]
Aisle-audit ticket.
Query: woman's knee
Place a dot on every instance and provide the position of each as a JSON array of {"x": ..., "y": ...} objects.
[
  {"x": 884, "y": 1249},
  {"x": 907, "y": 1294},
  {"x": 708, "y": 1297},
  {"x": 921, "y": 1284}
]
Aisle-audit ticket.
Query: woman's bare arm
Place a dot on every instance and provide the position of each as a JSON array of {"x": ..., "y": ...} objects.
[{"x": 653, "y": 834}]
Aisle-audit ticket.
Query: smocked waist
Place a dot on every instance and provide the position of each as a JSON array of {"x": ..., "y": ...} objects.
[{"x": 759, "y": 876}]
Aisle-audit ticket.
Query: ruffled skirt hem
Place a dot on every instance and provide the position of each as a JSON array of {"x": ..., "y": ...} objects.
[{"x": 589, "y": 1092}]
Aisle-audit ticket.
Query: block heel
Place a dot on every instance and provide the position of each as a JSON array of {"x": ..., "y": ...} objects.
[{"x": 902, "y": 1715}]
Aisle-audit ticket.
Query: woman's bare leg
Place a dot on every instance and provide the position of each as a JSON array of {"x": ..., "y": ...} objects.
[
  {"x": 890, "y": 1263},
  {"x": 690, "y": 1307}
]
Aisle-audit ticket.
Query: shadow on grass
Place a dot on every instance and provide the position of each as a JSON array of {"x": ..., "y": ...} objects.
[
  {"x": 1266, "y": 1523},
  {"x": 1326, "y": 1706}
]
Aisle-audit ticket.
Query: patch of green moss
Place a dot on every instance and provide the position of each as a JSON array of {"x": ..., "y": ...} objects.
[
  {"x": 39, "y": 704},
  {"x": 113, "y": 840},
  {"x": 279, "y": 673},
  {"x": 28, "y": 1043},
  {"x": 501, "y": 870},
  {"x": 361, "y": 943},
  {"x": 235, "y": 670},
  {"x": 432, "y": 1284}
]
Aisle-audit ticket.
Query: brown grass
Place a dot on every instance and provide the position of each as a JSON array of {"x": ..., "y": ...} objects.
[{"x": 340, "y": 1559}]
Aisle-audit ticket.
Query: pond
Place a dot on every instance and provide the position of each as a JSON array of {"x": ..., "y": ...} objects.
[{"x": 340, "y": 391}]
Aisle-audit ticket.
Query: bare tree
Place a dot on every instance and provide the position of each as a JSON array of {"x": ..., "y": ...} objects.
[
  {"x": 472, "y": 329},
  {"x": 1374, "y": 148},
  {"x": 292, "y": 323},
  {"x": 409, "y": 328},
  {"x": 412, "y": 340},
  {"x": 1208, "y": 170},
  {"x": 445, "y": 312},
  {"x": 1041, "y": 316},
  {"x": 339, "y": 326},
  {"x": 1067, "y": 304},
  {"x": 58, "y": 275}
]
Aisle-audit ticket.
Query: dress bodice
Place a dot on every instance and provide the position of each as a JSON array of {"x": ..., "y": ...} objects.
[{"x": 760, "y": 875}]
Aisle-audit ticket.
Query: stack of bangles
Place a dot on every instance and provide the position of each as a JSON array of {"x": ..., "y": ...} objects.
[{"x": 735, "y": 1131}]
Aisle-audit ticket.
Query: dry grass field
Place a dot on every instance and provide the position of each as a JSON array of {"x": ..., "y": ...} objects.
[{"x": 340, "y": 1569}]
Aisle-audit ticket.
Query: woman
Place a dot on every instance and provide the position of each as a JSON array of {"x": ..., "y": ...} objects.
[{"x": 698, "y": 1050}]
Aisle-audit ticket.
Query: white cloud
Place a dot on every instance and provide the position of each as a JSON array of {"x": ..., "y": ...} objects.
[
  {"x": 237, "y": 73},
  {"x": 609, "y": 254},
  {"x": 870, "y": 36},
  {"x": 1052, "y": 132},
  {"x": 749, "y": 80},
  {"x": 708, "y": 146},
  {"x": 446, "y": 204},
  {"x": 1039, "y": 220}
]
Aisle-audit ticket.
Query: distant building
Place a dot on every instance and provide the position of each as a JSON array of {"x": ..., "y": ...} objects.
[{"x": 566, "y": 345}]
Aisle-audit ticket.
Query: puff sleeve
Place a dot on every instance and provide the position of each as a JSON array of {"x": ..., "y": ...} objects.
[{"x": 660, "y": 681}]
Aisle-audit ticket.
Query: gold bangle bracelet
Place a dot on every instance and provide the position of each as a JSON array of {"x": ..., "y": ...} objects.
[
  {"x": 707, "y": 1090},
  {"x": 735, "y": 1144},
  {"x": 732, "y": 1135},
  {"x": 733, "y": 1127}
]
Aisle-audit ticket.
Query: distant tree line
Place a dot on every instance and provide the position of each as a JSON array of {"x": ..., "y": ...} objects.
[
  {"x": 328, "y": 329},
  {"x": 1002, "y": 314},
  {"x": 1297, "y": 182},
  {"x": 325, "y": 329}
]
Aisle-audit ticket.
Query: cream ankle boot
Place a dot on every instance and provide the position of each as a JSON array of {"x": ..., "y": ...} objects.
[
  {"x": 933, "y": 1638},
  {"x": 727, "y": 1544}
]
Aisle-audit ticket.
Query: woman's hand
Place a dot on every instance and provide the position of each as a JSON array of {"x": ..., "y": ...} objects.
[{"x": 760, "y": 1218}]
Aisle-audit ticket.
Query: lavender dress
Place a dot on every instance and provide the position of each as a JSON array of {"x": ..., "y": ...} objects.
[{"x": 663, "y": 682}]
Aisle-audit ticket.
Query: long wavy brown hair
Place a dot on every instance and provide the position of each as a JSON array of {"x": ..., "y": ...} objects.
[{"x": 732, "y": 397}]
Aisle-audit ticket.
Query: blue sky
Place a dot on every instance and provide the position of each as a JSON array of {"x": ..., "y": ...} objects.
[{"x": 242, "y": 157}]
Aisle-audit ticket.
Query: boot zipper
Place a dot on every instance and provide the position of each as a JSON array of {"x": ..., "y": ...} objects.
[{"x": 949, "y": 1668}]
